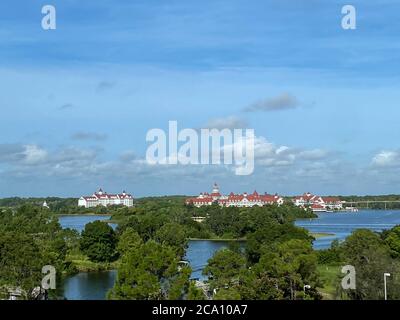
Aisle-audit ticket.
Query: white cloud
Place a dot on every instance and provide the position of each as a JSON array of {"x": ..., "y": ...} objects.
[
  {"x": 34, "y": 154},
  {"x": 11, "y": 152},
  {"x": 277, "y": 168},
  {"x": 269, "y": 154},
  {"x": 22, "y": 154},
  {"x": 386, "y": 159}
]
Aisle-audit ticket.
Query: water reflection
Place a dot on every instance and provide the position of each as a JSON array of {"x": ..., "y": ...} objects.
[
  {"x": 89, "y": 285},
  {"x": 342, "y": 224},
  {"x": 78, "y": 222},
  {"x": 94, "y": 286},
  {"x": 198, "y": 253}
]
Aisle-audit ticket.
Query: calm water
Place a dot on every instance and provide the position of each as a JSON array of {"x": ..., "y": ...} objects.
[
  {"x": 86, "y": 285},
  {"x": 93, "y": 286},
  {"x": 89, "y": 285},
  {"x": 78, "y": 222},
  {"x": 343, "y": 223},
  {"x": 198, "y": 253}
]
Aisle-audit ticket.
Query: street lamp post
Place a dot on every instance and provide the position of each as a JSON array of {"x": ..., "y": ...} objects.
[{"x": 384, "y": 281}]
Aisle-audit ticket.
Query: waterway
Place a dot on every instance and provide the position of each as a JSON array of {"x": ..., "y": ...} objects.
[
  {"x": 342, "y": 224},
  {"x": 78, "y": 222},
  {"x": 94, "y": 286}
]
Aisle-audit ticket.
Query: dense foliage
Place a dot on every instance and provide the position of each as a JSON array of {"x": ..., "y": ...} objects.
[
  {"x": 268, "y": 256},
  {"x": 150, "y": 271},
  {"x": 30, "y": 238},
  {"x": 375, "y": 202},
  {"x": 98, "y": 242},
  {"x": 238, "y": 272},
  {"x": 371, "y": 254}
]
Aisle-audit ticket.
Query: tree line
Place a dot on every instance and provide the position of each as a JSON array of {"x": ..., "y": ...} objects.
[{"x": 276, "y": 260}]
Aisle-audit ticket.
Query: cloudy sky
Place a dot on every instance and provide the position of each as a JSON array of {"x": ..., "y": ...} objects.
[{"x": 76, "y": 102}]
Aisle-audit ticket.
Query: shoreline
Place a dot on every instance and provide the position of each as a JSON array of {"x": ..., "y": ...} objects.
[
  {"x": 83, "y": 214},
  {"x": 318, "y": 235},
  {"x": 216, "y": 239}
]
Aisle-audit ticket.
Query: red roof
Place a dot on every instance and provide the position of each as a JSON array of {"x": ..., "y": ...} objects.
[
  {"x": 254, "y": 197},
  {"x": 200, "y": 200},
  {"x": 330, "y": 199},
  {"x": 105, "y": 196}
]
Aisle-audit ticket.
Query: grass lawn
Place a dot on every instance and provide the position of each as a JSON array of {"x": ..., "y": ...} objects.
[
  {"x": 329, "y": 275},
  {"x": 317, "y": 235},
  {"x": 83, "y": 264}
]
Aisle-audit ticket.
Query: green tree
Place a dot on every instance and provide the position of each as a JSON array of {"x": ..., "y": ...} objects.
[
  {"x": 21, "y": 263},
  {"x": 292, "y": 265},
  {"x": 145, "y": 225},
  {"x": 227, "y": 294},
  {"x": 259, "y": 284},
  {"x": 178, "y": 286},
  {"x": 331, "y": 255},
  {"x": 148, "y": 272},
  {"x": 174, "y": 235},
  {"x": 31, "y": 238},
  {"x": 271, "y": 235},
  {"x": 129, "y": 240},
  {"x": 392, "y": 239},
  {"x": 195, "y": 293},
  {"x": 98, "y": 242},
  {"x": 224, "y": 268},
  {"x": 371, "y": 258}
]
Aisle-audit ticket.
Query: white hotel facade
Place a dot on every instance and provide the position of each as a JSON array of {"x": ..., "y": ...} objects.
[
  {"x": 101, "y": 198},
  {"x": 234, "y": 200},
  {"x": 318, "y": 203}
]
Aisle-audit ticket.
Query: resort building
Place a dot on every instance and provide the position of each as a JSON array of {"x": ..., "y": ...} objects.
[
  {"x": 234, "y": 200},
  {"x": 101, "y": 198},
  {"x": 318, "y": 203}
]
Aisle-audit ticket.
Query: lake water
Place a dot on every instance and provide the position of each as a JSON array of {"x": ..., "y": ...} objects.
[
  {"x": 78, "y": 222},
  {"x": 89, "y": 285},
  {"x": 198, "y": 253},
  {"x": 95, "y": 285},
  {"x": 341, "y": 224}
]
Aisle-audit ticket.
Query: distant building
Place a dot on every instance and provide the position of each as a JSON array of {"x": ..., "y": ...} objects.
[
  {"x": 101, "y": 198},
  {"x": 318, "y": 203},
  {"x": 45, "y": 205},
  {"x": 234, "y": 200}
]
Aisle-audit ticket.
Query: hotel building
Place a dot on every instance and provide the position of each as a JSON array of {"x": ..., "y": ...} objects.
[
  {"x": 318, "y": 203},
  {"x": 234, "y": 200},
  {"x": 101, "y": 198}
]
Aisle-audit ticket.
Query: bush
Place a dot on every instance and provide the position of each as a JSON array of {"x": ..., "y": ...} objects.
[{"x": 98, "y": 242}]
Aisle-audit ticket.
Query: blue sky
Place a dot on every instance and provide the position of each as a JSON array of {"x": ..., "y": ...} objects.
[{"x": 76, "y": 102}]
